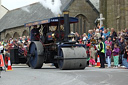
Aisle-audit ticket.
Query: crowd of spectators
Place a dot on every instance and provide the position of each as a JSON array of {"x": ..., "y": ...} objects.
[
  {"x": 21, "y": 43},
  {"x": 116, "y": 44}
]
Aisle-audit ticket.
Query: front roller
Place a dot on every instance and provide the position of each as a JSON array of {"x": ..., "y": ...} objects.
[
  {"x": 36, "y": 59},
  {"x": 72, "y": 58}
]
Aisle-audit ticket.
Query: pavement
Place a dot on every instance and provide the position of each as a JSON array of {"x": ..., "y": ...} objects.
[{"x": 49, "y": 75}]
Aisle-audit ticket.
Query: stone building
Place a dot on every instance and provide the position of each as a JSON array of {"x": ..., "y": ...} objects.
[
  {"x": 115, "y": 13},
  {"x": 12, "y": 24}
]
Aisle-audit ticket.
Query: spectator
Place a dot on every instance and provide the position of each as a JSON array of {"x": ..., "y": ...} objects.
[
  {"x": 97, "y": 35},
  {"x": 126, "y": 30},
  {"x": 105, "y": 34},
  {"x": 102, "y": 28},
  {"x": 92, "y": 61},
  {"x": 1, "y": 48},
  {"x": 77, "y": 37},
  {"x": 101, "y": 52},
  {"x": 116, "y": 55},
  {"x": 122, "y": 49},
  {"x": 113, "y": 33},
  {"x": 108, "y": 55},
  {"x": 85, "y": 38},
  {"x": 28, "y": 39},
  {"x": 108, "y": 31},
  {"x": 108, "y": 42},
  {"x": 101, "y": 32},
  {"x": 114, "y": 41},
  {"x": 89, "y": 34},
  {"x": 125, "y": 58}
]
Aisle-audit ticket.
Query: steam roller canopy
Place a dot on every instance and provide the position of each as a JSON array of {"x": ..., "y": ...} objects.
[{"x": 73, "y": 58}]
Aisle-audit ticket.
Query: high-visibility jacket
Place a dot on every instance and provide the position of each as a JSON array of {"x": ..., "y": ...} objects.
[{"x": 103, "y": 49}]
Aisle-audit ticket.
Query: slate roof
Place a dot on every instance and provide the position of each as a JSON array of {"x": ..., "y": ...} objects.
[{"x": 19, "y": 17}]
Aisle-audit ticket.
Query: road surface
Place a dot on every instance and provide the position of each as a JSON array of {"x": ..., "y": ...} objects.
[{"x": 49, "y": 75}]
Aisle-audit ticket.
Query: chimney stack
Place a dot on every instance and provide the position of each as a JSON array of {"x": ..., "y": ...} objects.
[{"x": 66, "y": 24}]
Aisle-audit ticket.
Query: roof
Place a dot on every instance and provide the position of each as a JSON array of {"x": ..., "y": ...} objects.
[
  {"x": 52, "y": 21},
  {"x": 96, "y": 3},
  {"x": 4, "y": 7},
  {"x": 18, "y": 17},
  {"x": 92, "y": 5},
  {"x": 30, "y": 13}
]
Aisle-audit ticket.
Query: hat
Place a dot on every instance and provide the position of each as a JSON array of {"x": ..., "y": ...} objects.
[{"x": 101, "y": 38}]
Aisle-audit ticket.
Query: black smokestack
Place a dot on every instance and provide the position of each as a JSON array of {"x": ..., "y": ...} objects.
[{"x": 66, "y": 24}]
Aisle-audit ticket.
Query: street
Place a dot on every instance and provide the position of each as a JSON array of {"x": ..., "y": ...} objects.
[{"x": 49, "y": 75}]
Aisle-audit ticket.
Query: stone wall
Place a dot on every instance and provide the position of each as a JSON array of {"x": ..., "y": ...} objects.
[
  {"x": 82, "y": 7},
  {"x": 10, "y": 33},
  {"x": 115, "y": 12}
]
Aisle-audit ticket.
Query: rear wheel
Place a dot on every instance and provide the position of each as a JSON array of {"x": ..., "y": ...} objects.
[{"x": 36, "y": 59}]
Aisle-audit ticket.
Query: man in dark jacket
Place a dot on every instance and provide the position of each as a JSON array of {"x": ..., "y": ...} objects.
[
  {"x": 35, "y": 34},
  {"x": 101, "y": 52},
  {"x": 113, "y": 33},
  {"x": 125, "y": 58},
  {"x": 122, "y": 48}
]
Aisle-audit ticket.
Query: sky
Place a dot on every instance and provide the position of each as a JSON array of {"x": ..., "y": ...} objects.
[{"x": 13, "y": 4}]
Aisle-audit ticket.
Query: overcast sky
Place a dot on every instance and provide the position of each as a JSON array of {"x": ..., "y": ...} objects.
[{"x": 12, "y": 4}]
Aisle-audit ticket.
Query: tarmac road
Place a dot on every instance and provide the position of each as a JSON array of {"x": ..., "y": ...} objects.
[{"x": 49, "y": 75}]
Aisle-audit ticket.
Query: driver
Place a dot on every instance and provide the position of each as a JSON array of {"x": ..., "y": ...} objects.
[{"x": 35, "y": 34}]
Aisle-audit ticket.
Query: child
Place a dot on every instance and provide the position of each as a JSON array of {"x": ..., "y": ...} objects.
[
  {"x": 116, "y": 55},
  {"x": 91, "y": 61},
  {"x": 125, "y": 58},
  {"x": 108, "y": 55}
]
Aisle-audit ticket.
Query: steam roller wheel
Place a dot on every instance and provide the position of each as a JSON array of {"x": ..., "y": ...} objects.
[
  {"x": 72, "y": 58},
  {"x": 36, "y": 59}
]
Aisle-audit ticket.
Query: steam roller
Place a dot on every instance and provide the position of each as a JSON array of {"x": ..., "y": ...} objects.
[
  {"x": 56, "y": 45},
  {"x": 72, "y": 58},
  {"x": 68, "y": 57}
]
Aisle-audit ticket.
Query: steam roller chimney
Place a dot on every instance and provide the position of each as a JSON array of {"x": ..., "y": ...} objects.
[{"x": 66, "y": 24}]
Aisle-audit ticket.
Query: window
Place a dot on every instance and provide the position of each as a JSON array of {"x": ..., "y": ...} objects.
[{"x": 80, "y": 27}]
